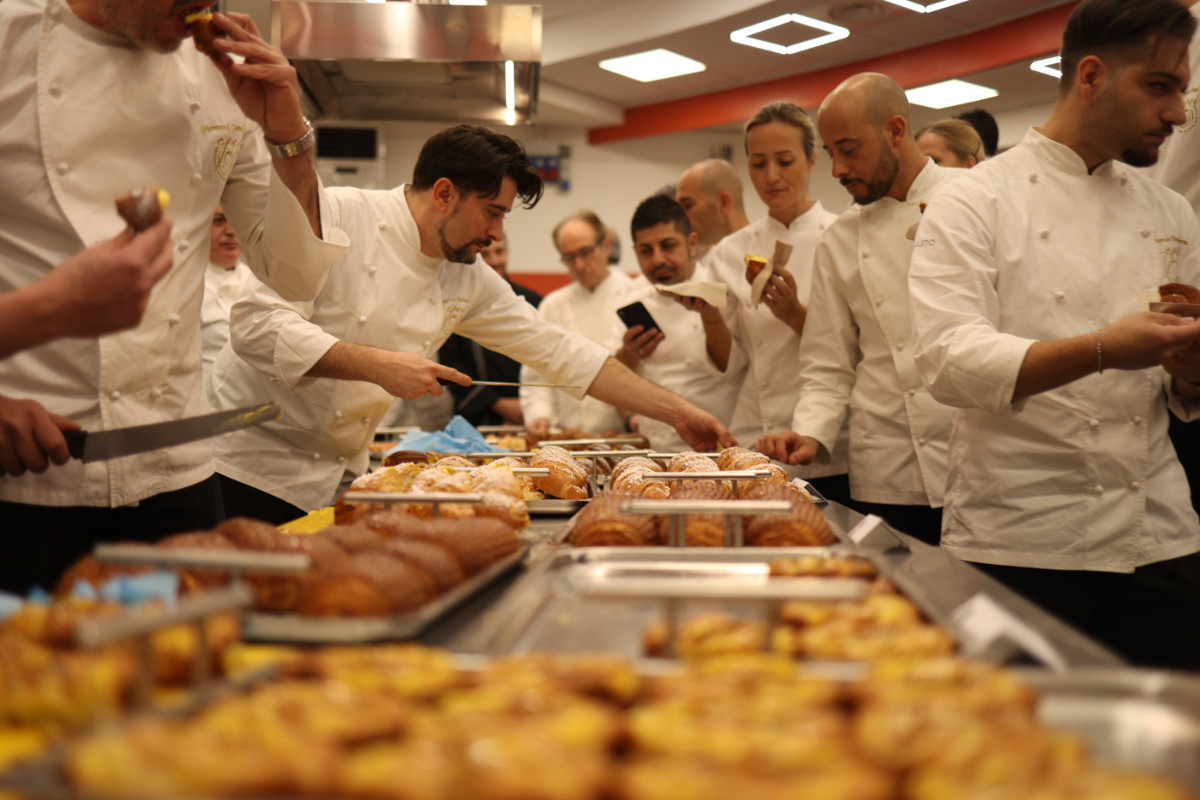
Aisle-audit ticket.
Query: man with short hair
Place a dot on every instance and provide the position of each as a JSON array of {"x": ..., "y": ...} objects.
[
  {"x": 1025, "y": 288},
  {"x": 488, "y": 405},
  {"x": 711, "y": 194},
  {"x": 587, "y": 306},
  {"x": 409, "y": 279},
  {"x": 223, "y": 282},
  {"x": 101, "y": 98},
  {"x": 677, "y": 356},
  {"x": 856, "y": 353}
]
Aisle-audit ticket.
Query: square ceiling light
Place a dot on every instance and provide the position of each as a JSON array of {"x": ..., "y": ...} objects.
[
  {"x": 1051, "y": 66},
  {"x": 922, "y": 8},
  {"x": 832, "y": 32},
  {"x": 949, "y": 93},
  {"x": 653, "y": 65}
]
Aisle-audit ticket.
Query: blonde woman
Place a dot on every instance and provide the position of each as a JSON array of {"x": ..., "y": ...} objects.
[
  {"x": 781, "y": 150},
  {"x": 951, "y": 143}
]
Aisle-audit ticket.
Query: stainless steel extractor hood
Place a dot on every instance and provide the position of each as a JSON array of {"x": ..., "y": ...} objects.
[{"x": 410, "y": 60}]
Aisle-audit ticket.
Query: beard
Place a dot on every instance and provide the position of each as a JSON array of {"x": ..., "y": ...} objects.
[
  {"x": 462, "y": 254},
  {"x": 1140, "y": 156},
  {"x": 116, "y": 17},
  {"x": 884, "y": 176}
]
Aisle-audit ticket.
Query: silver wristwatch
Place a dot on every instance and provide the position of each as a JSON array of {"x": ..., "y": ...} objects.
[{"x": 296, "y": 146}]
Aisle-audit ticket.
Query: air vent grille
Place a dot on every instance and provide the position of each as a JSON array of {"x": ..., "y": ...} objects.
[{"x": 337, "y": 142}]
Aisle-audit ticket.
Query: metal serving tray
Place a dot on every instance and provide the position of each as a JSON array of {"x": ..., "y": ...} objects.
[
  {"x": 294, "y": 628},
  {"x": 553, "y": 507}
]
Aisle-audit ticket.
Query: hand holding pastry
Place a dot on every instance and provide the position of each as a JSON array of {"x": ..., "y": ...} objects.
[{"x": 782, "y": 299}]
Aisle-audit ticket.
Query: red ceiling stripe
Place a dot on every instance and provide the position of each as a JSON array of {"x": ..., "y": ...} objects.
[{"x": 1029, "y": 37}]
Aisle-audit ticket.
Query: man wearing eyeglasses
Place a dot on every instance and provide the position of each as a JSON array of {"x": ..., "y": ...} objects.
[{"x": 588, "y": 306}]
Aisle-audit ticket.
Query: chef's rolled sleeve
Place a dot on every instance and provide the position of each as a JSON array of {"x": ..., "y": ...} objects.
[
  {"x": 961, "y": 356},
  {"x": 276, "y": 337}
]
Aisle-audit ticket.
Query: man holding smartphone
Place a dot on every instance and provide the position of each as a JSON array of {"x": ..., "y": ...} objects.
[{"x": 667, "y": 338}]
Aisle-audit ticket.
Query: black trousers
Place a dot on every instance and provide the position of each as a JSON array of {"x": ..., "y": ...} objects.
[
  {"x": 920, "y": 522},
  {"x": 246, "y": 501},
  {"x": 41, "y": 542},
  {"x": 1186, "y": 438},
  {"x": 1150, "y": 617}
]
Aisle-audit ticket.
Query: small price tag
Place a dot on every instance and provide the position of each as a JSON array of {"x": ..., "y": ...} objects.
[
  {"x": 982, "y": 621},
  {"x": 864, "y": 528}
]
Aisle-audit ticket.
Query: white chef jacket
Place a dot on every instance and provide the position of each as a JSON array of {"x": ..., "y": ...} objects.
[
  {"x": 590, "y": 314},
  {"x": 856, "y": 354},
  {"x": 382, "y": 293},
  {"x": 1178, "y": 163},
  {"x": 1029, "y": 247},
  {"x": 680, "y": 363},
  {"x": 221, "y": 288},
  {"x": 766, "y": 348},
  {"x": 86, "y": 118}
]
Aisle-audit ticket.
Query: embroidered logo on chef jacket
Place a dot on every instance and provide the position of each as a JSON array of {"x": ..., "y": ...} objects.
[
  {"x": 1168, "y": 249},
  {"x": 453, "y": 311},
  {"x": 1189, "y": 106},
  {"x": 226, "y": 143}
]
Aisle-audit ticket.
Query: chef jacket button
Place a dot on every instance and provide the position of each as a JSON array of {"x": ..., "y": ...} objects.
[
  {"x": 337, "y": 414},
  {"x": 316, "y": 456},
  {"x": 1097, "y": 489},
  {"x": 878, "y": 301},
  {"x": 1033, "y": 178},
  {"x": 1124, "y": 181},
  {"x": 114, "y": 395},
  {"x": 196, "y": 178},
  {"x": 1135, "y": 485},
  {"x": 370, "y": 269},
  {"x": 156, "y": 392},
  {"x": 921, "y": 442},
  {"x": 63, "y": 168},
  {"x": 1137, "y": 420},
  {"x": 365, "y": 420},
  {"x": 1044, "y": 233},
  {"x": 866, "y": 254},
  {"x": 194, "y": 105},
  {"x": 362, "y": 319},
  {"x": 1060, "y": 296},
  {"x": 383, "y": 226},
  {"x": 911, "y": 392},
  {"x": 173, "y": 319},
  {"x": 1093, "y": 423},
  {"x": 182, "y": 246},
  {"x": 424, "y": 343},
  {"x": 1145, "y": 234},
  {"x": 55, "y": 91},
  {"x": 866, "y": 214},
  {"x": 341, "y": 459},
  {"x": 900, "y": 347}
]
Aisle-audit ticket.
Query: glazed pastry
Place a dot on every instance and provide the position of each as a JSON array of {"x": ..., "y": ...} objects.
[
  {"x": 405, "y": 457},
  {"x": 200, "y": 24},
  {"x": 436, "y": 561},
  {"x": 1179, "y": 293},
  {"x": 143, "y": 207},
  {"x": 369, "y": 584},
  {"x": 476, "y": 542},
  {"x": 602, "y": 524},
  {"x": 567, "y": 479}
]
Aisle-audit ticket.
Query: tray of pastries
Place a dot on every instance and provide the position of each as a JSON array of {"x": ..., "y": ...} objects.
[{"x": 408, "y": 722}]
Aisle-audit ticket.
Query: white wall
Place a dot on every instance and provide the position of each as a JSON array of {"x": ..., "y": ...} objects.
[{"x": 612, "y": 179}]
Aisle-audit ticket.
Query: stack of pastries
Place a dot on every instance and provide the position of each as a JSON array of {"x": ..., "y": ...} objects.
[
  {"x": 403, "y": 722},
  {"x": 383, "y": 563}
]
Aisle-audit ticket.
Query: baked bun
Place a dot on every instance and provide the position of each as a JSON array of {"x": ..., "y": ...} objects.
[
  {"x": 143, "y": 207},
  {"x": 1179, "y": 293}
]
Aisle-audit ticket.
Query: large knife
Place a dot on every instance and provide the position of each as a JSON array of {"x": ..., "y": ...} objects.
[{"x": 102, "y": 445}]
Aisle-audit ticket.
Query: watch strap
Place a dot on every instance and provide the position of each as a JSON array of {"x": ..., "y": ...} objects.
[{"x": 296, "y": 146}]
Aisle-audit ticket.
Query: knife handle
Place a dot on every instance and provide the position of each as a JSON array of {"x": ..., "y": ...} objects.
[{"x": 75, "y": 442}]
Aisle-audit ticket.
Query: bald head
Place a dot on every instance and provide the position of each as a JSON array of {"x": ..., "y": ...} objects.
[
  {"x": 870, "y": 97},
  {"x": 864, "y": 128},
  {"x": 711, "y": 193}
]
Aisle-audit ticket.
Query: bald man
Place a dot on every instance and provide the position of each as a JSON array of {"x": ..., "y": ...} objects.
[
  {"x": 711, "y": 194},
  {"x": 856, "y": 352}
]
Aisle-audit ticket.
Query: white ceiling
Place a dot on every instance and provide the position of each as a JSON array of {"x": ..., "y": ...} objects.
[{"x": 579, "y": 33}]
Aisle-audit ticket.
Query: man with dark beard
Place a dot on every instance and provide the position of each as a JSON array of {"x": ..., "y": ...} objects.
[
  {"x": 408, "y": 280},
  {"x": 1025, "y": 288},
  {"x": 856, "y": 353}
]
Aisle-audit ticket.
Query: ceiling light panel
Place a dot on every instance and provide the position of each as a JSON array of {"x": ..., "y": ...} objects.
[
  {"x": 1051, "y": 66},
  {"x": 832, "y": 33},
  {"x": 653, "y": 65},
  {"x": 949, "y": 93},
  {"x": 925, "y": 8}
]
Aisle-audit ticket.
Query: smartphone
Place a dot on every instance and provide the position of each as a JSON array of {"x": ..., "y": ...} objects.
[{"x": 636, "y": 314}]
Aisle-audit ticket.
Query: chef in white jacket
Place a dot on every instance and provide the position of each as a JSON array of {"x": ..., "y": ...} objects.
[
  {"x": 781, "y": 150},
  {"x": 676, "y": 356},
  {"x": 409, "y": 280},
  {"x": 856, "y": 353},
  {"x": 99, "y": 98},
  {"x": 588, "y": 306},
  {"x": 1025, "y": 289}
]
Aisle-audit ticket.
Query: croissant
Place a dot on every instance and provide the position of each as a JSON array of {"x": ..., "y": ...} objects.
[
  {"x": 283, "y": 592},
  {"x": 497, "y": 479},
  {"x": 477, "y": 542},
  {"x": 740, "y": 458},
  {"x": 803, "y": 527},
  {"x": 432, "y": 558},
  {"x": 196, "y": 580},
  {"x": 567, "y": 479},
  {"x": 602, "y": 524},
  {"x": 352, "y": 538},
  {"x": 97, "y": 573},
  {"x": 691, "y": 461},
  {"x": 512, "y": 511},
  {"x": 369, "y": 584},
  {"x": 823, "y": 567},
  {"x": 629, "y": 476},
  {"x": 703, "y": 530}
]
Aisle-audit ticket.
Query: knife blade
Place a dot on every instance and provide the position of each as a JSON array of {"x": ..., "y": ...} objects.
[{"x": 102, "y": 445}]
